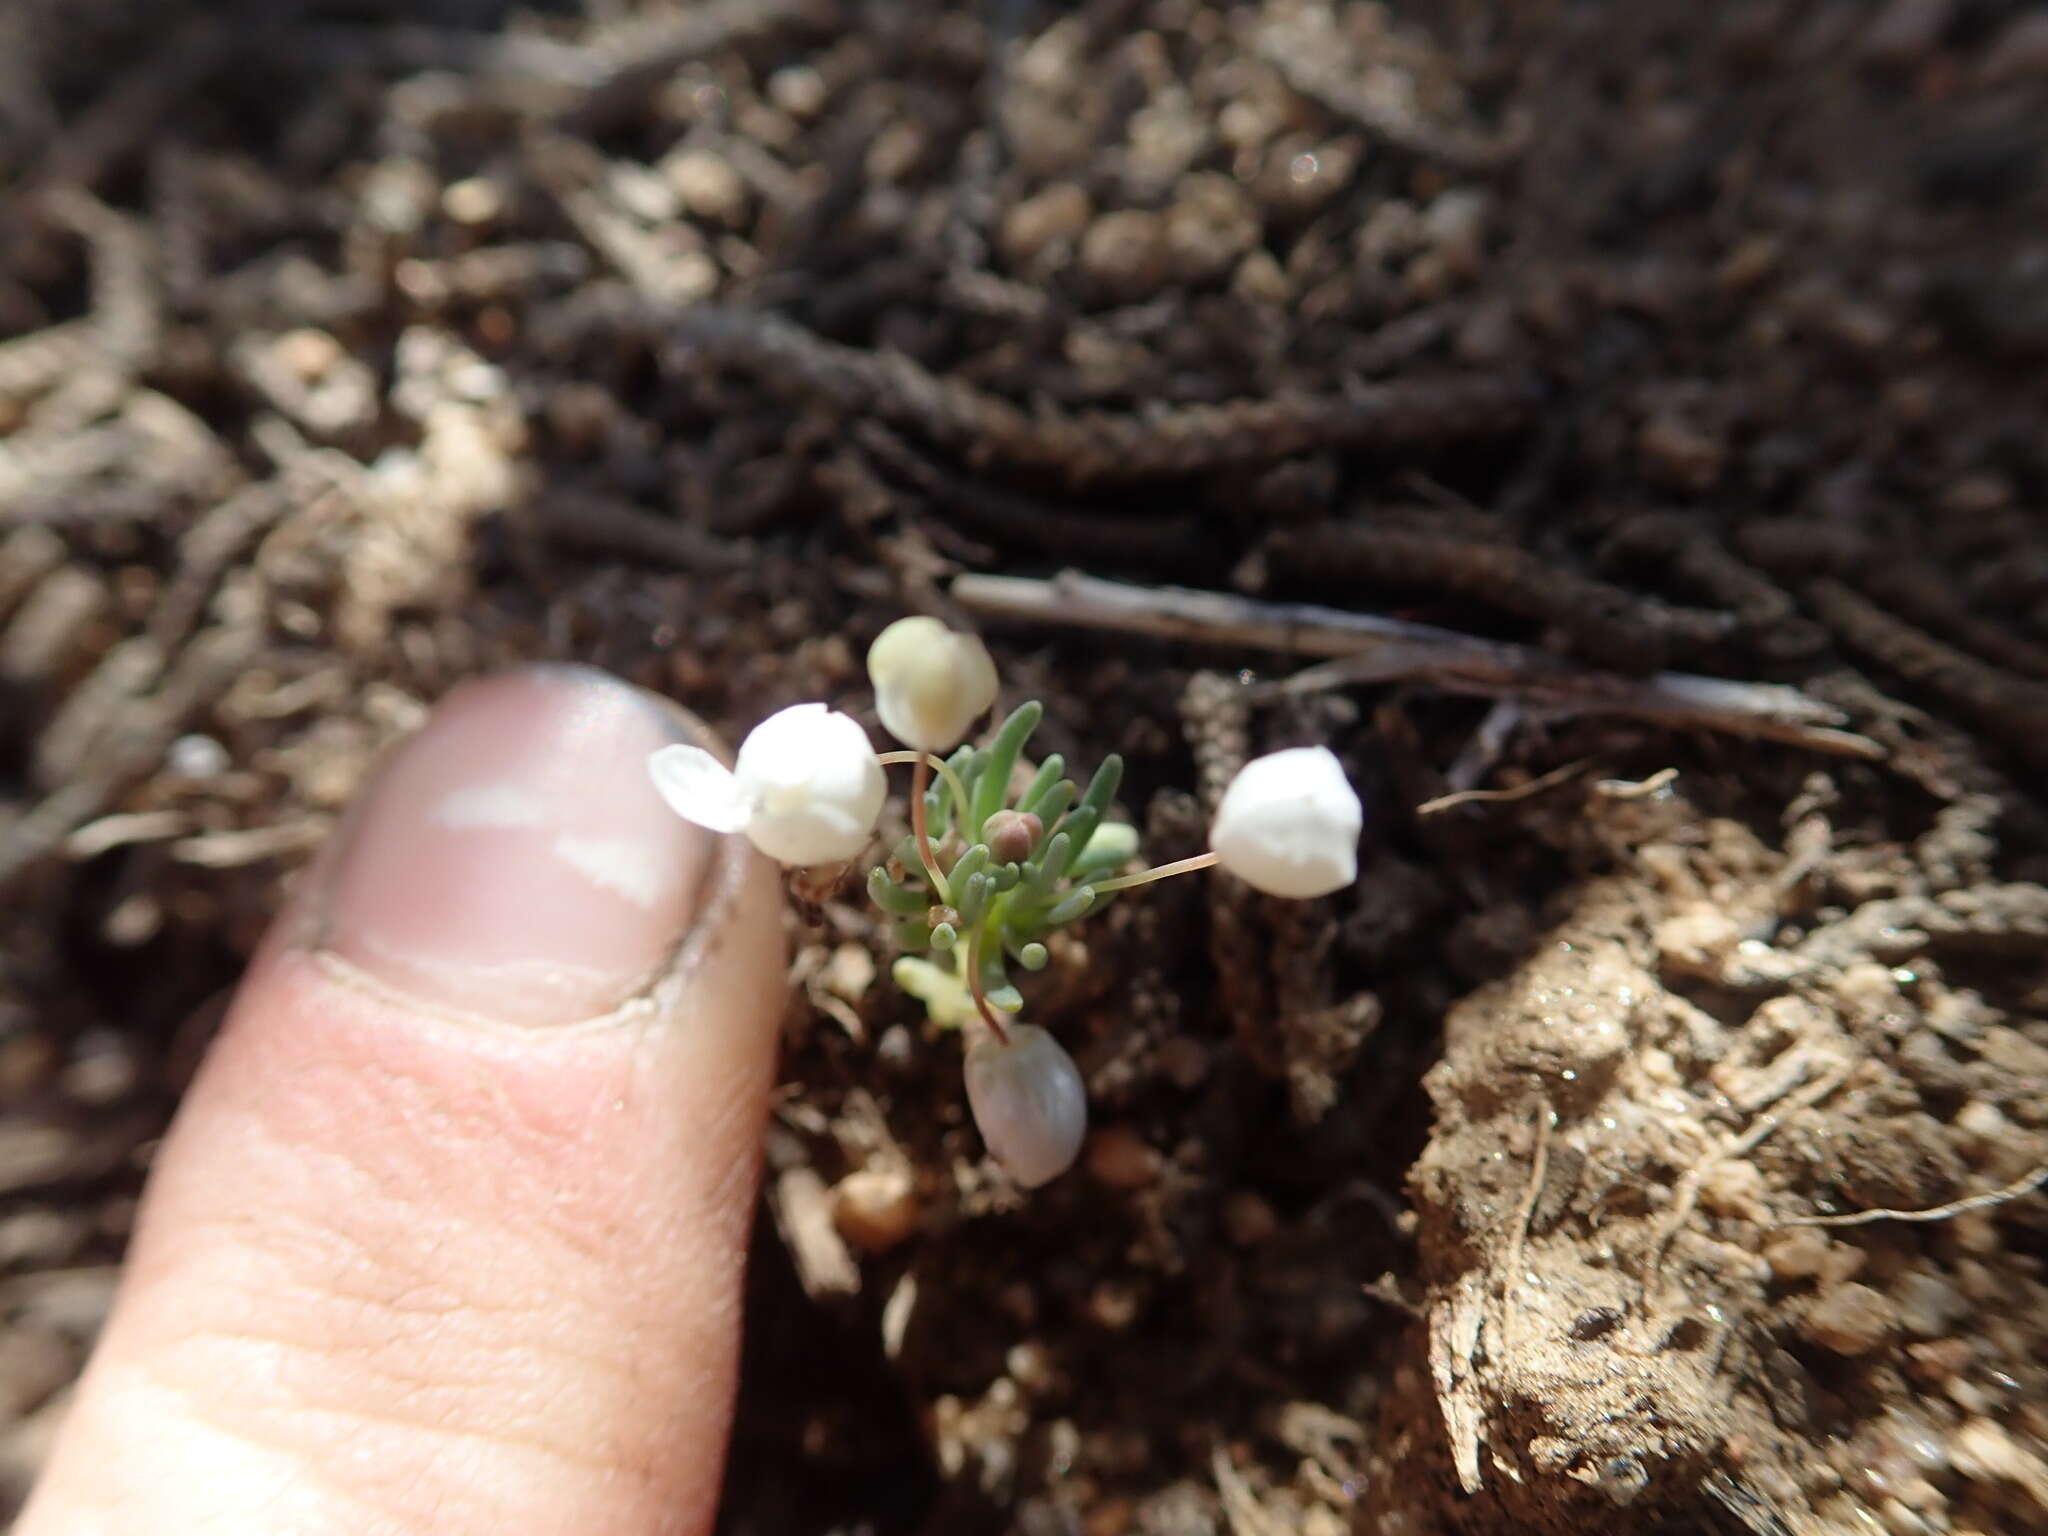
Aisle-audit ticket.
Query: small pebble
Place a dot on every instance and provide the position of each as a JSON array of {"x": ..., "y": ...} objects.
[
  {"x": 849, "y": 972},
  {"x": 1939, "y": 1360},
  {"x": 306, "y": 354},
  {"x": 1122, "y": 1159},
  {"x": 1046, "y": 222},
  {"x": 102, "y": 1071},
  {"x": 1184, "y": 1060},
  {"x": 1124, "y": 254},
  {"x": 1850, "y": 1319},
  {"x": 1029, "y": 1365},
  {"x": 1114, "y": 1305},
  {"x": 1680, "y": 452},
  {"x": 1734, "y": 1188},
  {"x": 474, "y": 201},
  {"x": 1928, "y": 1304},
  {"x": 1209, "y": 228},
  {"x": 706, "y": 186},
  {"x": 1248, "y": 1220},
  {"x": 196, "y": 757},
  {"x": 1696, "y": 941},
  {"x": 1455, "y": 225},
  {"x": 1260, "y": 279},
  {"x": 875, "y": 1209},
  {"x": 798, "y": 89}
]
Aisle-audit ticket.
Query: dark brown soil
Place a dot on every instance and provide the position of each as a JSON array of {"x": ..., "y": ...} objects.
[{"x": 348, "y": 356}]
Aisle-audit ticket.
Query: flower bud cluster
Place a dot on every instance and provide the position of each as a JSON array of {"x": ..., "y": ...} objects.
[{"x": 1004, "y": 853}]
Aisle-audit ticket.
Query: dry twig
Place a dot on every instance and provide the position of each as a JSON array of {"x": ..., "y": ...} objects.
[{"x": 1368, "y": 648}]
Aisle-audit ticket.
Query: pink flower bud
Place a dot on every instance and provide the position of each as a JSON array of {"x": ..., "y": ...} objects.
[{"x": 1011, "y": 835}]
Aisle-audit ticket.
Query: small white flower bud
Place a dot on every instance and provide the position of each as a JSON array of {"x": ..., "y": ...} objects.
[
  {"x": 931, "y": 683},
  {"x": 1289, "y": 824},
  {"x": 1029, "y": 1102},
  {"x": 807, "y": 789}
]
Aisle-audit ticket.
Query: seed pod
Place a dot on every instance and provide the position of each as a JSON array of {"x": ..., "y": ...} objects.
[{"x": 1028, "y": 1101}]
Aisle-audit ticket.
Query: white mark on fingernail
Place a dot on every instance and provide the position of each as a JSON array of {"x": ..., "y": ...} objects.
[
  {"x": 626, "y": 869},
  {"x": 490, "y": 805}
]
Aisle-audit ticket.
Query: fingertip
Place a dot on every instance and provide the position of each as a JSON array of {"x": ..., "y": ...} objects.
[{"x": 549, "y": 1128}]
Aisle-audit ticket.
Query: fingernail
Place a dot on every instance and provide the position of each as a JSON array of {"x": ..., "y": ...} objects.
[{"x": 513, "y": 860}]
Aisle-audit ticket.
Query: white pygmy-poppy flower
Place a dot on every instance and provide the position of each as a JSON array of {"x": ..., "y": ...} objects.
[
  {"x": 931, "y": 683},
  {"x": 807, "y": 788},
  {"x": 1029, "y": 1102},
  {"x": 1289, "y": 824}
]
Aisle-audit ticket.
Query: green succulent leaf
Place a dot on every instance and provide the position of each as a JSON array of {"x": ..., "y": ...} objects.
[
  {"x": 968, "y": 865},
  {"x": 1081, "y": 825},
  {"x": 971, "y": 897},
  {"x": 900, "y": 900},
  {"x": 1041, "y": 877},
  {"x": 1055, "y": 804},
  {"x": 991, "y": 790},
  {"x": 1077, "y": 903},
  {"x": 1114, "y": 845},
  {"x": 1042, "y": 782}
]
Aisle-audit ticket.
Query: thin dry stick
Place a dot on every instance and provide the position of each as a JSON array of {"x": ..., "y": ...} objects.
[
  {"x": 1536, "y": 786},
  {"x": 1539, "y": 1170},
  {"x": 2026, "y": 1184},
  {"x": 1368, "y": 648},
  {"x": 1765, "y": 1125}
]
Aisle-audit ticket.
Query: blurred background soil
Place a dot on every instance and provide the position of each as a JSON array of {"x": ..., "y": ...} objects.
[{"x": 1645, "y": 1143}]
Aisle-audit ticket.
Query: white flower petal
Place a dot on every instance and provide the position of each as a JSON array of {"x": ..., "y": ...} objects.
[
  {"x": 931, "y": 683},
  {"x": 1289, "y": 824},
  {"x": 1029, "y": 1102},
  {"x": 699, "y": 788},
  {"x": 816, "y": 790},
  {"x": 808, "y": 835}
]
